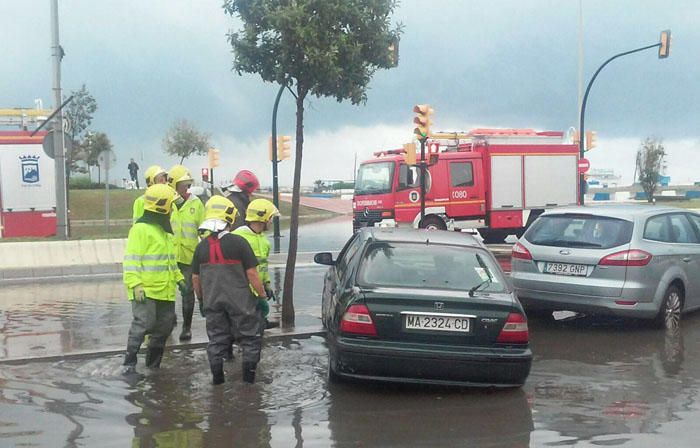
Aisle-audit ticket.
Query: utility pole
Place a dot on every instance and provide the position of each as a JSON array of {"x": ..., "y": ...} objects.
[{"x": 59, "y": 144}]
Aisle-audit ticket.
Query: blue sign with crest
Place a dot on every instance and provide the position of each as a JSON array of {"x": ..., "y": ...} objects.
[{"x": 30, "y": 169}]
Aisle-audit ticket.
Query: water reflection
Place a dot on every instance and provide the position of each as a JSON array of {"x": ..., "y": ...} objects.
[
  {"x": 597, "y": 377},
  {"x": 380, "y": 415}
]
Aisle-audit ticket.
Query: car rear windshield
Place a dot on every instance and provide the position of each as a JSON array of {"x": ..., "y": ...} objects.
[
  {"x": 595, "y": 232},
  {"x": 427, "y": 266}
]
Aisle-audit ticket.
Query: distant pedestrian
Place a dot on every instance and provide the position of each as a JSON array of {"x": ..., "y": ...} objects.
[
  {"x": 134, "y": 173},
  {"x": 223, "y": 267},
  {"x": 240, "y": 192}
]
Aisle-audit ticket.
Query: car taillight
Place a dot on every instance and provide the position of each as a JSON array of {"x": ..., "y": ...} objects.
[
  {"x": 514, "y": 330},
  {"x": 633, "y": 257},
  {"x": 357, "y": 320},
  {"x": 521, "y": 252}
]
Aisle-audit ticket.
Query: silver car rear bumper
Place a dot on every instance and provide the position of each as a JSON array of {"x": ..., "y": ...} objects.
[{"x": 555, "y": 301}]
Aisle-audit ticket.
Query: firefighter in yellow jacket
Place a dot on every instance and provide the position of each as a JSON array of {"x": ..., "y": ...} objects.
[
  {"x": 151, "y": 276},
  {"x": 257, "y": 219},
  {"x": 154, "y": 175},
  {"x": 187, "y": 215}
]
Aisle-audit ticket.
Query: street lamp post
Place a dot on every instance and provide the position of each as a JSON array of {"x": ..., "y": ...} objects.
[{"x": 664, "y": 49}]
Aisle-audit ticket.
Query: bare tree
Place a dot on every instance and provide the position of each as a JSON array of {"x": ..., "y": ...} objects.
[{"x": 183, "y": 140}]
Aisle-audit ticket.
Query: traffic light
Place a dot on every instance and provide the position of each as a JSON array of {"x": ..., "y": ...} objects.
[
  {"x": 591, "y": 137},
  {"x": 665, "y": 46},
  {"x": 410, "y": 156},
  {"x": 205, "y": 174},
  {"x": 422, "y": 120},
  {"x": 284, "y": 150},
  {"x": 213, "y": 157},
  {"x": 576, "y": 137},
  {"x": 393, "y": 49}
]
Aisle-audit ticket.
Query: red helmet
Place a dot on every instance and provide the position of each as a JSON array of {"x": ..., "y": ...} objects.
[{"x": 246, "y": 181}]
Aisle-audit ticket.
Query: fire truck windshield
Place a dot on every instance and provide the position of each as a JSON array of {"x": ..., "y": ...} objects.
[{"x": 374, "y": 178}]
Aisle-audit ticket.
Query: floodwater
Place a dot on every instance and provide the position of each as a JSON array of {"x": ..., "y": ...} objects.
[{"x": 593, "y": 383}]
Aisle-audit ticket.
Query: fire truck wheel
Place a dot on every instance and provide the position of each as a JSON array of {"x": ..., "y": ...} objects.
[{"x": 433, "y": 223}]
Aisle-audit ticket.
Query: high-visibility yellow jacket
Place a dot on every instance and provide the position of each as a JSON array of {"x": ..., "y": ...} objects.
[
  {"x": 261, "y": 248},
  {"x": 150, "y": 260},
  {"x": 185, "y": 221},
  {"x": 138, "y": 208}
]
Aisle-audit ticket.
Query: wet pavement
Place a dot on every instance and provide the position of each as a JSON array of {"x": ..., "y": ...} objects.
[{"x": 594, "y": 382}]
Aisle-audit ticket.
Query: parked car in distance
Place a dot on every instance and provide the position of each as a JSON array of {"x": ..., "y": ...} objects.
[
  {"x": 422, "y": 306},
  {"x": 627, "y": 260}
]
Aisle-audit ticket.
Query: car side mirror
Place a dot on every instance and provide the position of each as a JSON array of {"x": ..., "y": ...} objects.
[{"x": 324, "y": 258}]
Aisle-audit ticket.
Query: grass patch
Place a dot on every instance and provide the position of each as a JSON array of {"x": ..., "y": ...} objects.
[{"x": 90, "y": 204}]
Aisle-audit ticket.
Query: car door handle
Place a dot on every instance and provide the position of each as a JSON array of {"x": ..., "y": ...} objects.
[{"x": 686, "y": 259}]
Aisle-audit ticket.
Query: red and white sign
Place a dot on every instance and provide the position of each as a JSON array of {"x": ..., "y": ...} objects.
[
  {"x": 583, "y": 166},
  {"x": 27, "y": 186}
]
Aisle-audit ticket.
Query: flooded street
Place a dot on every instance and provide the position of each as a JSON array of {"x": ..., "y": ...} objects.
[{"x": 592, "y": 384}]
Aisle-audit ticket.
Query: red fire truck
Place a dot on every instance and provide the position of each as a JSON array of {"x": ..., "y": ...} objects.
[{"x": 494, "y": 180}]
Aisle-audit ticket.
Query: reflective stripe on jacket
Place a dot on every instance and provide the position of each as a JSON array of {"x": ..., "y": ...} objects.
[
  {"x": 261, "y": 248},
  {"x": 185, "y": 221},
  {"x": 150, "y": 261},
  {"x": 138, "y": 208}
]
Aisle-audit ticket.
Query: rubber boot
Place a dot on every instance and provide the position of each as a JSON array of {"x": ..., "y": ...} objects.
[
  {"x": 217, "y": 372},
  {"x": 130, "y": 360},
  {"x": 249, "y": 372},
  {"x": 186, "y": 333},
  {"x": 229, "y": 354},
  {"x": 153, "y": 358}
]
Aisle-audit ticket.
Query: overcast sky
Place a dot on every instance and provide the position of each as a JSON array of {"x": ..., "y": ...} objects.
[{"x": 478, "y": 63}]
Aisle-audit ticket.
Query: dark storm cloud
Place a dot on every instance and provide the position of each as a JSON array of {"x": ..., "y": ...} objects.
[{"x": 496, "y": 63}]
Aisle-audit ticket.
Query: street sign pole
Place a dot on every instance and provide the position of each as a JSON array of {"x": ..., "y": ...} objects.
[{"x": 106, "y": 163}]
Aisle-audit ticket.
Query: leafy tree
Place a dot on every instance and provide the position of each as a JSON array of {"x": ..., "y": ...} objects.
[
  {"x": 327, "y": 48},
  {"x": 79, "y": 112},
  {"x": 183, "y": 140},
  {"x": 92, "y": 146},
  {"x": 650, "y": 161}
]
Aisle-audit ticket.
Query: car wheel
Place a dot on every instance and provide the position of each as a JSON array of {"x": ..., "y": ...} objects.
[
  {"x": 670, "y": 312},
  {"x": 433, "y": 223},
  {"x": 333, "y": 377}
]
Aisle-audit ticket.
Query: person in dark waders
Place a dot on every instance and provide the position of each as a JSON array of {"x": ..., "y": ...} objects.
[
  {"x": 223, "y": 267},
  {"x": 151, "y": 276}
]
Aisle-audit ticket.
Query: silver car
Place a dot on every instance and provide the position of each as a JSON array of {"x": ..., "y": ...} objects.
[{"x": 625, "y": 260}]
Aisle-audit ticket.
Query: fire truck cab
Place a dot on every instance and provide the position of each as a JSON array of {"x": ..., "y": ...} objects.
[{"x": 494, "y": 180}]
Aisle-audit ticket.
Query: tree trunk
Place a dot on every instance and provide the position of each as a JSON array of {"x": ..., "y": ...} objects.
[{"x": 288, "y": 290}]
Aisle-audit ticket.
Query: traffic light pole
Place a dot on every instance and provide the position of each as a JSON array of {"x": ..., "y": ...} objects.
[
  {"x": 211, "y": 180},
  {"x": 275, "y": 185},
  {"x": 582, "y": 115},
  {"x": 423, "y": 167}
]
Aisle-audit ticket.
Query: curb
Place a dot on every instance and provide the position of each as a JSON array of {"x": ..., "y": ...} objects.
[{"x": 274, "y": 334}]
